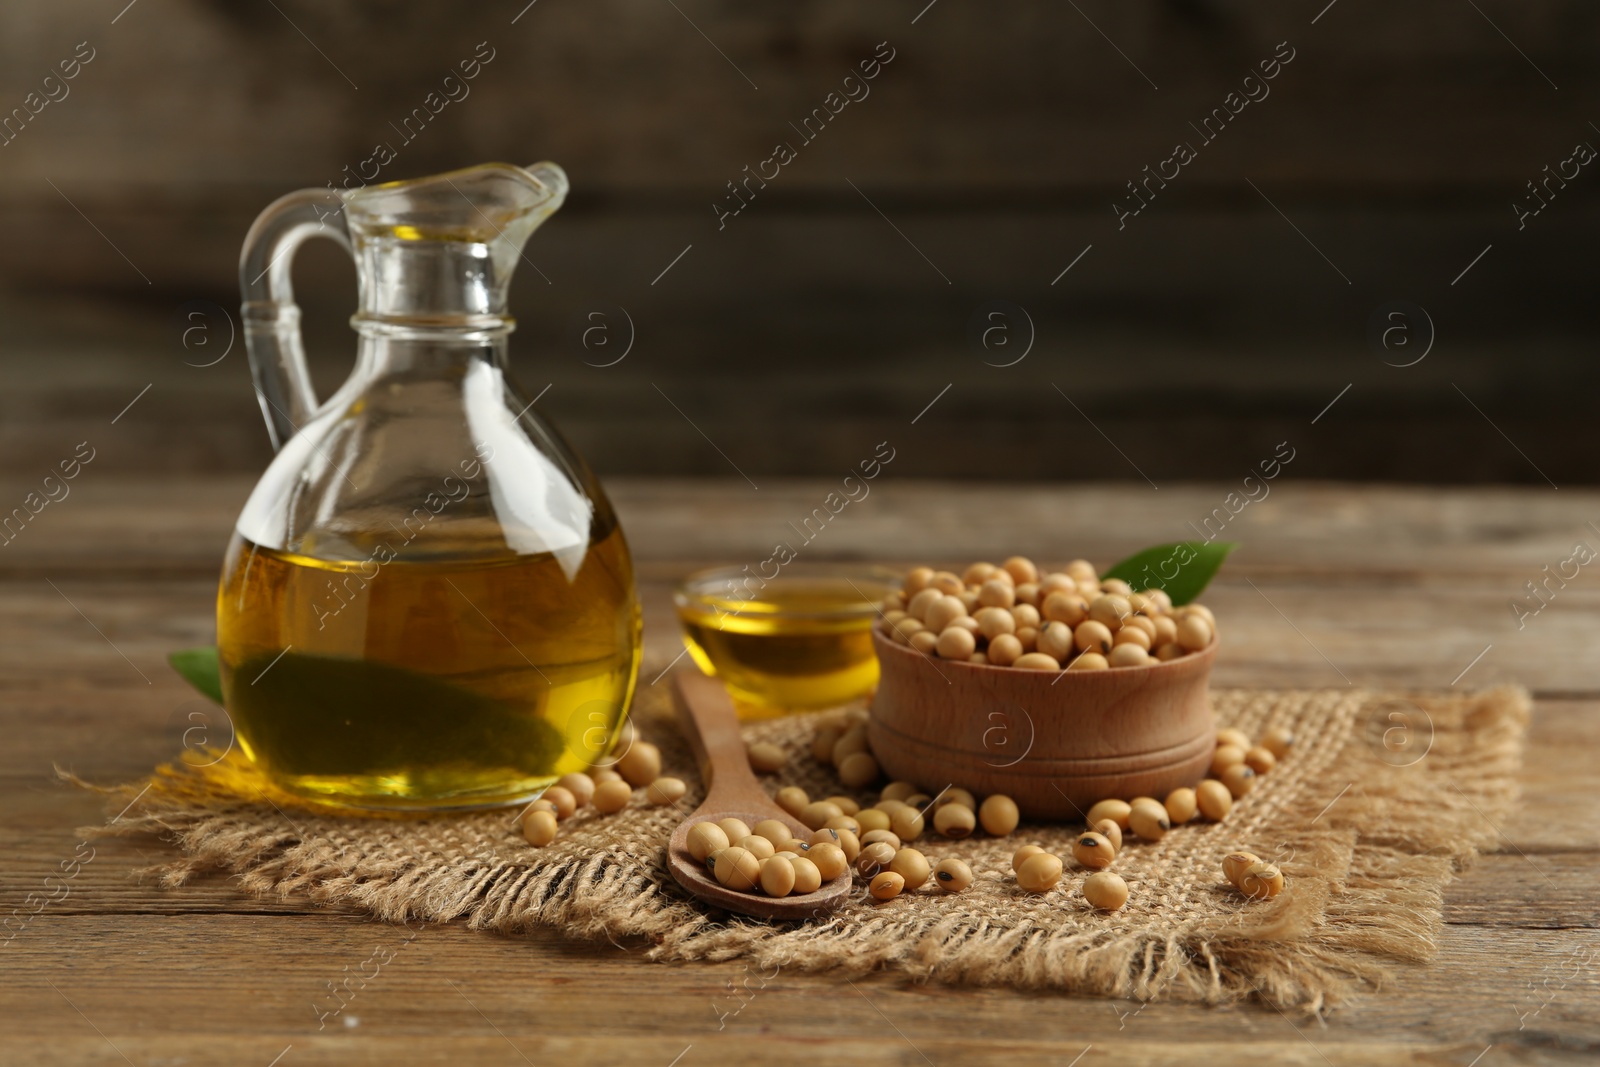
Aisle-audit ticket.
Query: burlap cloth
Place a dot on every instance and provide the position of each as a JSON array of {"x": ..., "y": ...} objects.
[{"x": 1368, "y": 826}]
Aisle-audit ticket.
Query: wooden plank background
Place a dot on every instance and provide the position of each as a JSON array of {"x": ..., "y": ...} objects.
[
  {"x": 985, "y": 160},
  {"x": 1394, "y": 587}
]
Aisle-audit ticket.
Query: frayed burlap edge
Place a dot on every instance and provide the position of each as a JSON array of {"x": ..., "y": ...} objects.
[{"x": 1367, "y": 868}]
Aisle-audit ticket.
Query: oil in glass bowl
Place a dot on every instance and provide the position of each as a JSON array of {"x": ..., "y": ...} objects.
[{"x": 795, "y": 642}]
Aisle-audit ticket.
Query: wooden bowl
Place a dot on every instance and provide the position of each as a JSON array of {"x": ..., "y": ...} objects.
[{"x": 1055, "y": 742}]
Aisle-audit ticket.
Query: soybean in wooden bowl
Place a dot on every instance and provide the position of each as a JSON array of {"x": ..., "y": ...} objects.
[{"x": 1054, "y": 741}]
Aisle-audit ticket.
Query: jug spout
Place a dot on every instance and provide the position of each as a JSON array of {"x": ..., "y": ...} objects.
[
  {"x": 434, "y": 258},
  {"x": 430, "y": 251}
]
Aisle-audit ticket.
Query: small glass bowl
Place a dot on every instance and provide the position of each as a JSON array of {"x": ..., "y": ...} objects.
[{"x": 797, "y": 641}]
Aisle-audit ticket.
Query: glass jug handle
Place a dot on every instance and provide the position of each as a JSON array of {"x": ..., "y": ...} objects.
[{"x": 271, "y": 317}]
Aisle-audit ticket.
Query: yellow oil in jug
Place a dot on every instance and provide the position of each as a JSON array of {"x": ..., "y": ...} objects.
[{"x": 420, "y": 684}]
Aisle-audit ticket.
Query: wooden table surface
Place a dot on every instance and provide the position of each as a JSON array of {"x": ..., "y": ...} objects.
[{"x": 1335, "y": 585}]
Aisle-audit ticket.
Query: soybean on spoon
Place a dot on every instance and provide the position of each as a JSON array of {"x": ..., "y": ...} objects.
[{"x": 706, "y": 714}]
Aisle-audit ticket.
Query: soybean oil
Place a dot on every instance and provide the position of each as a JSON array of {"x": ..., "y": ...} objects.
[
  {"x": 393, "y": 683},
  {"x": 797, "y": 643}
]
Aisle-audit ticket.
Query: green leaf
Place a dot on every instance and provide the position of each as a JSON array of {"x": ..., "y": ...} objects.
[
  {"x": 199, "y": 668},
  {"x": 1183, "y": 569}
]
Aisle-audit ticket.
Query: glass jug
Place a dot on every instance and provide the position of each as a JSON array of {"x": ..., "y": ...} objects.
[{"x": 427, "y": 602}]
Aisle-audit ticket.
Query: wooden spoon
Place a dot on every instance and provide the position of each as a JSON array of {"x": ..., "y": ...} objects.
[{"x": 706, "y": 714}]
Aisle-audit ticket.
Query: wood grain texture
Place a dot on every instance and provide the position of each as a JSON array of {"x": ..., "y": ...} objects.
[
  {"x": 1395, "y": 587},
  {"x": 649, "y": 104},
  {"x": 997, "y": 142}
]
